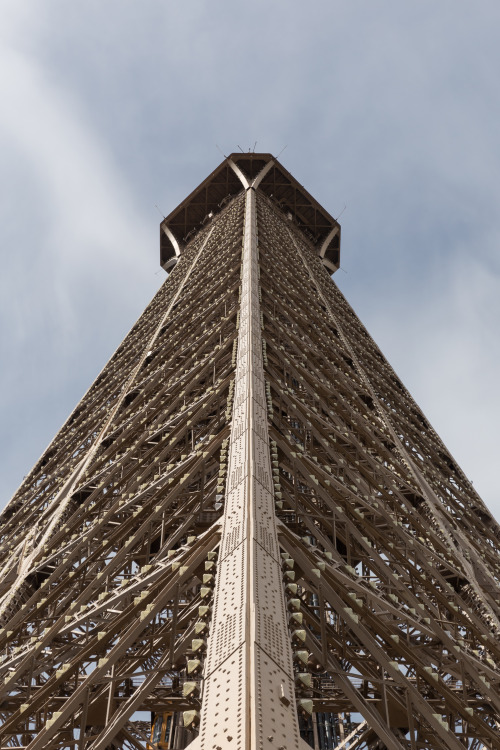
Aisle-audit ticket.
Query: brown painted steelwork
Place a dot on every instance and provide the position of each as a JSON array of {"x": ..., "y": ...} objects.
[{"x": 120, "y": 586}]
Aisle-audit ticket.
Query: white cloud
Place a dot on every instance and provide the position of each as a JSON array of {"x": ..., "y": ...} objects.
[{"x": 70, "y": 231}]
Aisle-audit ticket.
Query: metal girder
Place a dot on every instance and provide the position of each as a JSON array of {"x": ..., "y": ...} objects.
[{"x": 248, "y": 693}]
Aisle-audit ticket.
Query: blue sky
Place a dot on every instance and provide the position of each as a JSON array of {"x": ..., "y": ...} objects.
[{"x": 390, "y": 108}]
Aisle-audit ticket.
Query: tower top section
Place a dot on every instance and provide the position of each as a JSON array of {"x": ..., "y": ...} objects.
[{"x": 238, "y": 172}]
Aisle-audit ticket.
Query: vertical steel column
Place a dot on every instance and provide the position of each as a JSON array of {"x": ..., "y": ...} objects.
[{"x": 249, "y": 692}]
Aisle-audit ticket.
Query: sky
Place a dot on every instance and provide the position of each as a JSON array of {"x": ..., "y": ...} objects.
[{"x": 388, "y": 111}]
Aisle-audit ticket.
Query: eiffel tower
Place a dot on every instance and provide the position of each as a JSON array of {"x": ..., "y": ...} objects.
[{"x": 247, "y": 536}]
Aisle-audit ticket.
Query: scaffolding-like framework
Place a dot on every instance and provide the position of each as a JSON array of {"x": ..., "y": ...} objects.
[{"x": 247, "y": 536}]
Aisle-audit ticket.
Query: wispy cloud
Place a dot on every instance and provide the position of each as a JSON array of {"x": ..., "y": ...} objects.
[{"x": 73, "y": 250}]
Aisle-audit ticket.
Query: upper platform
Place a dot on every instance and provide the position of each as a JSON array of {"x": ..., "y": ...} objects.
[{"x": 237, "y": 172}]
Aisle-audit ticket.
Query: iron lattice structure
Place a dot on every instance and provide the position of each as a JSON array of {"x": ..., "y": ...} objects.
[{"x": 247, "y": 524}]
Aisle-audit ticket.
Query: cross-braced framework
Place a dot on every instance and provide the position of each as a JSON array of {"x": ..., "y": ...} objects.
[{"x": 247, "y": 534}]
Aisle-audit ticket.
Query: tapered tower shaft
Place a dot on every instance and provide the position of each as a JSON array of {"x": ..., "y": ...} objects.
[{"x": 247, "y": 535}]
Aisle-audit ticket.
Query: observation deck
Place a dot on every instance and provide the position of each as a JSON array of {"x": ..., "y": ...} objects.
[{"x": 229, "y": 178}]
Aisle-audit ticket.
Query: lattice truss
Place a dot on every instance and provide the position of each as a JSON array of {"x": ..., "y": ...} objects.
[
  {"x": 109, "y": 549},
  {"x": 101, "y": 575},
  {"x": 391, "y": 559}
]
